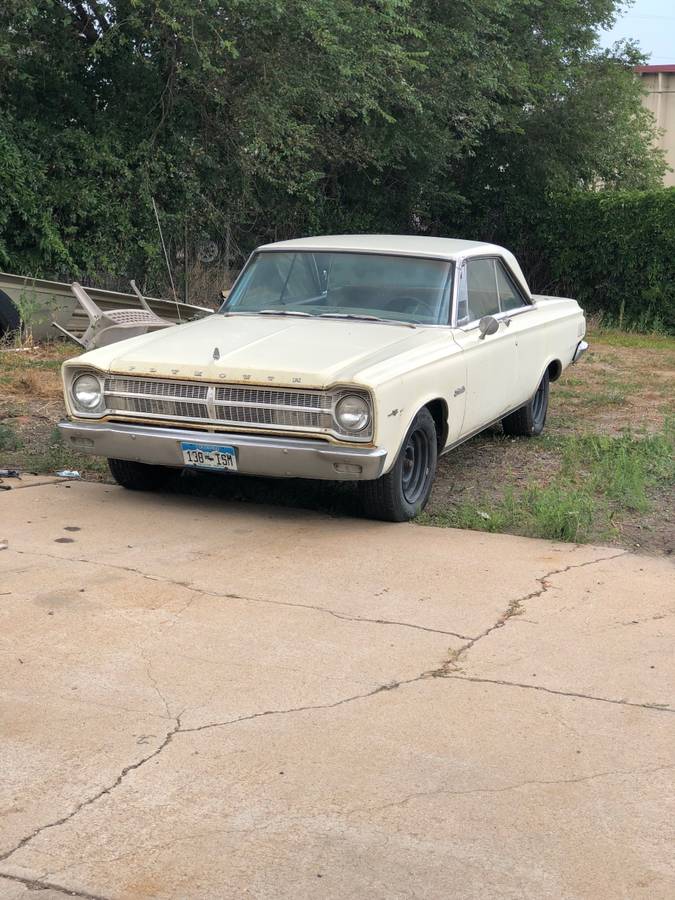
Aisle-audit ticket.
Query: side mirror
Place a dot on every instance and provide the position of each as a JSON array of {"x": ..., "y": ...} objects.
[{"x": 487, "y": 325}]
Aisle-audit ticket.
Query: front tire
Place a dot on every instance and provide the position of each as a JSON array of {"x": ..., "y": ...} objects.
[
  {"x": 137, "y": 476},
  {"x": 529, "y": 420},
  {"x": 403, "y": 492}
]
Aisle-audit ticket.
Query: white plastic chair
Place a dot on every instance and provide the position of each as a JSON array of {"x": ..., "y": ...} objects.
[{"x": 109, "y": 326}]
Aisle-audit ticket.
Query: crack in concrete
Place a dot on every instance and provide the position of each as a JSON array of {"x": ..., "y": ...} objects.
[
  {"x": 153, "y": 680},
  {"x": 34, "y": 884},
  {"x": 517, "y": 786},
  {"x": 276, "y": 712},
  {"x": 434, "y": 673},
  {"x": 656, "y": 707},
  {"x": 515, "y": 608},
  {"x": 106, "y": 790},
  {"x": 207, "y": 592},
  {"x": 177, "y": 729}
]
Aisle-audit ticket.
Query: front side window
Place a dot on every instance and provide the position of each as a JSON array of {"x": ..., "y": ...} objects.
[
  {"x": 482, "y": 297},
  {"x": 366, "y": 285}
]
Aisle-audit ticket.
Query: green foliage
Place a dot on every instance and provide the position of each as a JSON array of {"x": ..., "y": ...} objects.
[
  {"x": 30, "y": 308},
  {"x": 272, "y": 118},
  {"x": 614, "y": 252}
]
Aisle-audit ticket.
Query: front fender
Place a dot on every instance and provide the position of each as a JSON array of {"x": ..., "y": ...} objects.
[{"x": 399, "y": 401}]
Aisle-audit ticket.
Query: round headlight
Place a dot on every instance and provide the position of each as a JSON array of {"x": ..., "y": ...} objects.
[
  {"x": 352, "y": 413},
  {"x": 87, "y": 391}
]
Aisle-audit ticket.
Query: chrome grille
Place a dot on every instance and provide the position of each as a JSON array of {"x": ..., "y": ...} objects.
[
  {"x": 284, "y": 418},
  {"x": 165, "y": 408},
  {"x": 157, "y": 388},
  {"x": 222, "y": 404},
  {"x": 265, "y": 397}
]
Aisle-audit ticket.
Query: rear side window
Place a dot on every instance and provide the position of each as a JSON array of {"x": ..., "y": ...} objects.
[{"x": 509, "y": 296}]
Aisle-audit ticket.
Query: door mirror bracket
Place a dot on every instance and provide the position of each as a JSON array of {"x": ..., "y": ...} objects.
[{"x": 487, "y": 325}]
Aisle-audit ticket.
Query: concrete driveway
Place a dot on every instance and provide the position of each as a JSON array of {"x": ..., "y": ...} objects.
[{"x": 205, "y": 699}]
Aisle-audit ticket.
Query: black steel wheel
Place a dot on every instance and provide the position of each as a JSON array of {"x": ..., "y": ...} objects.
[
  {"x": 403, "y": 492},
  {"x": 529, "y": 420},
  {"x": 415, "y": 469}
]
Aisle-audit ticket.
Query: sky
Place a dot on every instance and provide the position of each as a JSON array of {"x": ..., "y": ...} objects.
[{"x": 652, "y": 24}]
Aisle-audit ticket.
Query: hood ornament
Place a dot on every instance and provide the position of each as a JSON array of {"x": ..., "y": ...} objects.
[{"x": 216, "y": 353}]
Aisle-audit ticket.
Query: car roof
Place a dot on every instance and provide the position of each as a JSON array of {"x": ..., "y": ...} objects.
[
  {"x": 403, "y": 245},
  {"x": 446, "y": 248}
]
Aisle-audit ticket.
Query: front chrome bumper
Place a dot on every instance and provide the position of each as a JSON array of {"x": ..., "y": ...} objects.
[
  {"x": 256, "y": 454},
  {"x": 582, "y": 347}
]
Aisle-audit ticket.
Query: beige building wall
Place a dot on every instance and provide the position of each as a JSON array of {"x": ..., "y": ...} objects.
[{"x": 659, "y": 82}]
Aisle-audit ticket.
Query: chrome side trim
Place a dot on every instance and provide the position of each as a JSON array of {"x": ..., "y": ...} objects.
[
  {"x": 256, "y": 454},
  {"x": 471, "y": 434},
  {"x": 504, "y": 317}
]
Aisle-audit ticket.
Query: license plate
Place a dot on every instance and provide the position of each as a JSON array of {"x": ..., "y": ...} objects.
[{"x": 209, "y": 457}]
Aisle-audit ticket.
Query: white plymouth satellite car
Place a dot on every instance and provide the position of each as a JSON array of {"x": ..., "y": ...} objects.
[{"x": 352, "y": 358}]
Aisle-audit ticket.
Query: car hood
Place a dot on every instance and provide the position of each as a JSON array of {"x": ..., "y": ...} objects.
[{"x": 284, "y": 350}]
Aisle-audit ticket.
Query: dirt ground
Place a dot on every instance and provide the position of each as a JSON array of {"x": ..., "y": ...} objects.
[{"x": 625, "y": 384}]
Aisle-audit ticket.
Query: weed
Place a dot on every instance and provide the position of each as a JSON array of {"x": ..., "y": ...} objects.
[
  {"x": 622, "y": 469},
  {"x": 555, "y": 512},
  {"x": 9, "y": 439},
  {"x": 54, "y": 457}
]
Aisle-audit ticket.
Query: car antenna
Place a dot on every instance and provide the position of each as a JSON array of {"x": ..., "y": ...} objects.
[{"x": 166, "y": 257}]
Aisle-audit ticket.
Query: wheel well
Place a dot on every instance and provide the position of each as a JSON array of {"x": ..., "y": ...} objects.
[
  {"x": 554, "y": 370},
  {"x": 439, "y": 412}
]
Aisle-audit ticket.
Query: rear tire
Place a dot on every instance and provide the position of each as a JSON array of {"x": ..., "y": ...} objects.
[
  {"x": 137, "y": 476},
  {"x": 9, "y": 315},
  {"x": 403, "y": 492},
  {"x": 529, "y": 420}
]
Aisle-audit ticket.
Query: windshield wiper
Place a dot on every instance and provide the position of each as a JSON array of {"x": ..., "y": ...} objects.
[
  {"x": 283, "y": 312},
  {"x": 366, "y": 318}
]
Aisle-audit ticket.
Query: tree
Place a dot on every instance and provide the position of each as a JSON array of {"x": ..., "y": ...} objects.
[{"x": 283, "y": 117}]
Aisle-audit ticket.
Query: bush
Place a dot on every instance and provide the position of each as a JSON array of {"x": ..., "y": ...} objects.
[{"x": 614, "y": 251}]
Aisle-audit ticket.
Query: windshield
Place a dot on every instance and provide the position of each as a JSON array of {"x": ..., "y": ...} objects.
[{"x": 356, "y": 285}]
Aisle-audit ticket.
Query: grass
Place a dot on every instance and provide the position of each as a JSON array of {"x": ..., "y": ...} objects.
[
  {"x": 632, "y": 339},
  {"x": 47, "y": 455},
  {"x": 599, "y": 478},
  {"x": 52, "y": 456},
  {"x": 9, "y": 439},
  {"x": 31, "y": 402}
]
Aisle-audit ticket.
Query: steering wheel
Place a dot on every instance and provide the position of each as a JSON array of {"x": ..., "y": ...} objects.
[{"x": 408, "y": 304}]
